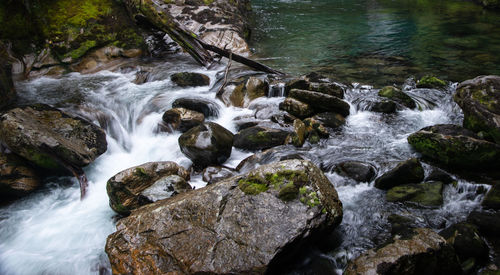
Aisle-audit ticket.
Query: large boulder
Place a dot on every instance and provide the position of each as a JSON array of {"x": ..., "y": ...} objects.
[
  {"x": 190, "y": 79},
  {"x": 317, "y": 83},
  {"x": 49, "y": 137},
  {"x": 455, "y": 146},
  {"x": 398, "y": 96},
  {"x": 427, "y": 194},
  {"x": 17, "y": 178},
  {"x": 242, "y": 225},
  {"x": 409, "y": 171},
  {"x": 321, "y": 102},
  {"x": 421, "y": 251},
  {"x": 492, "y": 198},
  {"x": 258, "y": 138},
  {"x": 202, "y": 105},
  {"x": 356, "y": 170},
  {"x": 479, "y": 99},
  {"x": 182, "y": 119},
  {"x": 144, "y": 184},
  {"x": 296, "y": 108},
  {"x": 207, "y": 144}
]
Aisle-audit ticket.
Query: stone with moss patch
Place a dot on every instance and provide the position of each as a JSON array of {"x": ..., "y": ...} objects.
[
  {"x": 429, "y": 194},
  {"x": 398, "y": 96},
  {"x": 431, "y": 82},
  {"x": 258, "y": 138}
]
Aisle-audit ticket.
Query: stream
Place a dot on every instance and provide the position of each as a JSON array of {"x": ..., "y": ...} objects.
[{"x": 53, "y": 232}]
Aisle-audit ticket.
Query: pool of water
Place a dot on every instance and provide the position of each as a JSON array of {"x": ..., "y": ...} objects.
[{"x": 379, "y": 42}]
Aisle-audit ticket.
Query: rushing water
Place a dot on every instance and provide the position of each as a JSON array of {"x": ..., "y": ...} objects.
[
  {"x": 378, "y": 42},
  {"x": 53, "y": 232}
]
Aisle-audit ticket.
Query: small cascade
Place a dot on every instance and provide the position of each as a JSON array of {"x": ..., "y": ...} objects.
[{"x": 277, "y": 90}]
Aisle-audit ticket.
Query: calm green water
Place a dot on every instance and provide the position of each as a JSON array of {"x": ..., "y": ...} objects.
[{"x": 378, "y": 41}]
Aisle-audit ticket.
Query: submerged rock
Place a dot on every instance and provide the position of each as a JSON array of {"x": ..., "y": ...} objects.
[
  {"x": 456, "y": 146},
  {"x": 189, "y": 79},
  {"x": 321, "y": 102},
  {"x": 207, "y": 144},
  {"x": 182, "y": 119},
  {"x": 409, "y": 171},
  {"x": 431, "y": 82},
  {"x": 258, "y": 138},
  {"x": 242, "y": 225},
  {"x": 17, "y": 178},
  {"x": 205, "y": 106},
  {"x": 49, "y": 137},
  {"x": 421, "y": 251},
  {"x": 492, "y": 198},
  {"x": 144, "y": 184},
  {"x": 428, "y": 194},
  {"x": 356, "y": 170},
  {"x": 384, "y": 106},
  {"x": 479, "y": 99},
  {"x": 398, "y": 96}
]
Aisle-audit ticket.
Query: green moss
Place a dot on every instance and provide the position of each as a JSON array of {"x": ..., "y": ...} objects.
[
  {"x": 289, "y": 192},
  {"x": 309, "y": 197},
  {"x": 43, "y": 160},
  {"x": 431, "y": 82},
  {"x": 397, "y": 95},
  {"x": 252, "y": 186},
  {"x": 83, "y": 49}
]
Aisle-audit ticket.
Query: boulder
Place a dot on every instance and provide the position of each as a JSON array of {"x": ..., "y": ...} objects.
[
  {"x": 243, "y": 225},
  {"x": 455, "y": 146},
  {"x": 49, "y": 137},
  {"x": 330, "y": 119},
  {"x": 356, "y": 170},
  {"x": 202, "y": 105},
  {"x": 189, "y": 79},
  {"x": 296, "y": 108},
  {"x": 258, "y": 138},
  {"x": 321, "y": 102},
  {"x": 431, "y": 82},
  {"x": 427, "y": 194},
  {"x": 409, "y": 171},
  {"x": 213, "y": 174},
  {"x": 467, "y": 241},
  {"x": 207, "y": 144},
  {"x": 315, "y": 130},
  {"x": 316, "y": 83},
  {"x": 398, "y": 96},
  {"x": 240, "y": 92},
  {"x": 439, "y": 175},
  {"x": 17, "y": 178},
  {"x": 298, "y": 137},
  {"x": 421, "y": 251},
  {"x": 479, "y": 99},
  {"x": 181, "y": 119},
  {"x": 492, "y": 198},
  {"x": 266, "y": 157},
  {"x": 144, "y": 184},
  {"x": 383, "y": 106}
]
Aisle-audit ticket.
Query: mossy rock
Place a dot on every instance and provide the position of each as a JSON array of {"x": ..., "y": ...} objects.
[
  {"x": 190, "y": 79},
  {"x": 409, "y": 171},
  {"x": 258, "y": 138},
  {"x": 296, "y": 108},
  {"x": 453, "y": 145},
  {"x": 397, "y": 95},
  {"x": 492, "y": 198},
  {"x": 431, "y": 82},
  {"x": 428, "y": 194}
]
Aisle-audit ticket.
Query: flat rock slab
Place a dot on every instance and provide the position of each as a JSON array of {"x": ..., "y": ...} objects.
[{"x": 236, "y": 226}]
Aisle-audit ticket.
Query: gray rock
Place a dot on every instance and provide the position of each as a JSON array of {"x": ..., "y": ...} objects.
[
  {"x": 321, "y": 102},
  {"x": 296, "y": 108},
  {"x": 181, "y": 119},
  {"x": 207, "y": 107},
  {"x": 240, "y": 225},
  {"x": 189, "y": 79},
  {"x": 258, "y": 138},
  {"x": 356, "y": 170},
  {"x": 409, "y": 171},
  {"x": 17, "y": 178}
]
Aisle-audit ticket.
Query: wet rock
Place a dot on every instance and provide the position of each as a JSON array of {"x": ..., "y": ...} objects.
[
  {"x": 17, "y": 178},
  {"x": 213, "y": 174},
  {"x": 455, "y": 146},
  {"x": 189, "y": 79},
  {"x": 487, "y": 221},
  {"x": 427, "y": 194},
  {"x": 492, "y": 198},
  {"x": 207, "y": 107},
  {"x": 401, "y": 225},
  {"x": 144, "y": 184},
  {"x": 398, "y": 96},
  {"x": 439, "y": 175},
  {"x": 332, "y": 89},
  {"x": 467, "y": 241},
  {"x": 316, "y": 83},
  {"x": 181, "y": 119},
  {"x": 431, "y": 82},
  {"x": 298, "y": 137},
  {"x": 240, "y": 225},
  {"x": 266, "y": 157},
  {"x": 479, "y": 99},
  {"x": 330, "y": 119},
  {"x": 356, "y": 170},
  {"x": 384, "y": 106},
  {"x": 48, "y": 137},
  {"x": 207, "y": 144},
  {"x": 7, "y": 92},
  {"x": 142, "y": 77},
  {"x": 296, "y": 108},
  {"x": 421, "y": 252},
  {"x": 240, "y": 92},
  {"x": 409, "y": 171},
  {"x": 258, "y": 138},
  {"x": 321, "y": 102}
]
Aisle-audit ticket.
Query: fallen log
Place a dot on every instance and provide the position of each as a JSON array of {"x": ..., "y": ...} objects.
[{"x": 156, "y": 14}]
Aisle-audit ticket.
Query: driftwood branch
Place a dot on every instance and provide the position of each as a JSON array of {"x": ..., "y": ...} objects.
[{"x": 221, "y": 89}]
